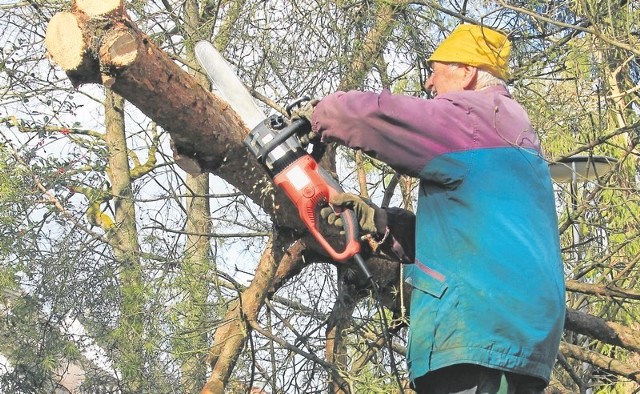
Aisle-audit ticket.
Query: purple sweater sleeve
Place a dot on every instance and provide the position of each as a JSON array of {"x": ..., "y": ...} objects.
[
  {"x": 402, "y": 131},
  {"x": 408, "y": 132}
]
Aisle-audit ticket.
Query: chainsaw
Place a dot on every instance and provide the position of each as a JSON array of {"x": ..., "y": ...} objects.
[{"x": 274, "y": 140}]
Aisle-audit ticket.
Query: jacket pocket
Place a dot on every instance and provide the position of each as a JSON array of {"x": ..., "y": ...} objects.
[{"x": 425, "y": 279}]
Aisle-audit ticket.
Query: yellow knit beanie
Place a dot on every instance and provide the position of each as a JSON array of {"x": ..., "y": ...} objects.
[{"x": 476, "y": 46}]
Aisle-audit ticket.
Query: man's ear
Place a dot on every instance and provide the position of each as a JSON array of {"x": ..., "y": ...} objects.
[{"x": 469, "y": 77}]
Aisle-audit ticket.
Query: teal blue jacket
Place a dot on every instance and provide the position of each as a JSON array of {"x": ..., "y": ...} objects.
[{"x": 487, "y": 281}]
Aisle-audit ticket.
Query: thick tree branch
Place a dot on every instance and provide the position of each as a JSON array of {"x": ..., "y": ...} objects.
[
  {"x": 603, "y": 330},
  {"x": 109, "y": 49},
  {"x": 230, "y": 336}
]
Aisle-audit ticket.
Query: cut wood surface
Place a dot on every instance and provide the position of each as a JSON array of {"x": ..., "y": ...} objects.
[
  {"x": 64, "y": 41},
  {"x": 99, "y": 7}
]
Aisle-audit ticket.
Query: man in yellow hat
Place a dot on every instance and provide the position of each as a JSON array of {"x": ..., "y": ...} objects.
[{"x": 487, "y": 306}]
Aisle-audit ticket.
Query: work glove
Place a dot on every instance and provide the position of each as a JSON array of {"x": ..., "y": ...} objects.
[
  {"x": 371, "y": 219},
  {"x": 305, "y": 112}
]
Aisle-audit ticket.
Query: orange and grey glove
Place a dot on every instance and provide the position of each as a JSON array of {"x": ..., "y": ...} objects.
[{"x": 371, "y": 218}]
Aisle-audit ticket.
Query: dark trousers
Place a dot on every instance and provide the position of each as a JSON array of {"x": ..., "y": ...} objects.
[{"x": 476, "y": 379}]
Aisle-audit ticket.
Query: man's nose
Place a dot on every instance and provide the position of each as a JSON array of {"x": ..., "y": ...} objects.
[{"x": 428, "y": 85}]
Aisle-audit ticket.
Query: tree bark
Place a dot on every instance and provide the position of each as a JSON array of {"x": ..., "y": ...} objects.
[
  {"x": 198, "y": 262},
  {"x": 602, "y": 330}
]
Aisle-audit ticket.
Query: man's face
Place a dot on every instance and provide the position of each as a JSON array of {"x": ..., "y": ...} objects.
[{"x": 446, "y": 77}]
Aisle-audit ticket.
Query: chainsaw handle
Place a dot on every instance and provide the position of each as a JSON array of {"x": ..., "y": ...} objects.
[
  {"x": 352, "y": 248},
  {"x": 308, "y": 186},
  {"x": 352, "y": 244},
  {"x": 349, "y": 220}
]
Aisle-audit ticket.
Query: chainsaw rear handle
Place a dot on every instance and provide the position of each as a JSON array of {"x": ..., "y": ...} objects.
[
  {"x": 352, "y": 246},
  {"x": 308, "y": 186},
  {"x": 350, "y": 225}
]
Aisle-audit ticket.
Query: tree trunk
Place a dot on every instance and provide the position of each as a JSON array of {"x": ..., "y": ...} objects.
[
  {"x": 194, "y": 306},
  {"x": 195, "y": 309},
  {"x": 129, "y": 338}
]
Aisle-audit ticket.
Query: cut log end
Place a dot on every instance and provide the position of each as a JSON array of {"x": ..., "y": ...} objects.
[
  {"x": 64, "y": 41},
  {"x": 95, "y": 8},
  {"x": 119, "y": 49}
]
